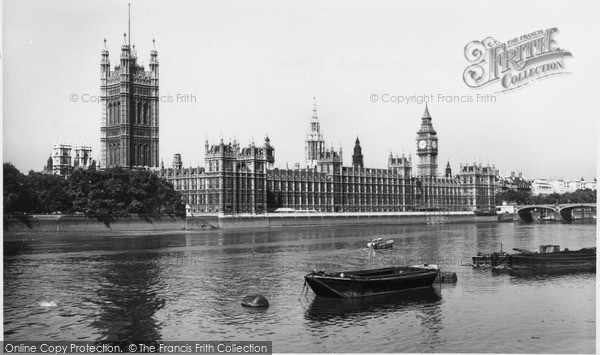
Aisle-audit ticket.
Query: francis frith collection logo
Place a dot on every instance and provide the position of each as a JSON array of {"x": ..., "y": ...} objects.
[{"x": 514, "y": 63}]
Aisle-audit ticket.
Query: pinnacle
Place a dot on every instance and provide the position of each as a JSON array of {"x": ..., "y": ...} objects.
[{"x": 426, "y": 113}]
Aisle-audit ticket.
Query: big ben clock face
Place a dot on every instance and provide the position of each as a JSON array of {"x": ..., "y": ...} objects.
[
  {"x": 422, "y": 144},
  {"x": 434, "y": 144}
]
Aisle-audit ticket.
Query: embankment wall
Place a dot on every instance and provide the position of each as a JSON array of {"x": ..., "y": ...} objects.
[
  {"x": 335, "y": 219},
  {"x": 77, "y": 223},
  {"x": 80, "y": 223}
]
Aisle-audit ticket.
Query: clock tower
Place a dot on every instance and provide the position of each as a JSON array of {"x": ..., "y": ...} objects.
[{"x": 427, "y": 148}]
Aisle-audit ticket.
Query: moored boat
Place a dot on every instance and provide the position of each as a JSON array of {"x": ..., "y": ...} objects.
[
  {"x": 493, "y": 259},
  {"x": 380, "y": 243},
  {"x": 550, "y": 256},
  {"x": 361, "y": 283}
]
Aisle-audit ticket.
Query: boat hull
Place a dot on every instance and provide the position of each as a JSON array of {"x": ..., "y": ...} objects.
[
  {"x": 561, "y": 260},
  {"x": 370, "y": 285}
]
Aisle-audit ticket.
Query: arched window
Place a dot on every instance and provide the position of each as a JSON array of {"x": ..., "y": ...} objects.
[
  {"x": 109, "y": 114},
  {"x": 137, "y": 154},
  {"x": 138, "y": 114},
  {"x": 117, "y": 119},
  {"x": 118, "y": 154},
  {"x": 142, "y": 160},
  {"x": 146, "y": 155},
  {"x": 115, "y": 114},
  {"x": 146, "y": 113}
]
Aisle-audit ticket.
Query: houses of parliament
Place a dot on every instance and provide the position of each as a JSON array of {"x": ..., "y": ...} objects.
[{"x": 239, "y": 179}]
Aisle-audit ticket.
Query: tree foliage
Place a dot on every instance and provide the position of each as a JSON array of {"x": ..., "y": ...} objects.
[
  {"x": 111, "y": 191},
  {"x": 526, "y": 198}
]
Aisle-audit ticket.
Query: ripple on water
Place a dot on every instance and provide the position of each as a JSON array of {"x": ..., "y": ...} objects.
[{"x": 189, "y": 286}]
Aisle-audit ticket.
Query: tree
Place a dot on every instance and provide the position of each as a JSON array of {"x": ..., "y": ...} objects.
[
  {"x": 49, "y": 193},
  {"x": 514, "y": 196},
  {"x": 109, "y": 192},
  {"x": 18, "y": 196}
]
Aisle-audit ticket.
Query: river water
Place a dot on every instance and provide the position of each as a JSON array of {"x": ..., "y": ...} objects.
[{"x": 189, "y": 285}]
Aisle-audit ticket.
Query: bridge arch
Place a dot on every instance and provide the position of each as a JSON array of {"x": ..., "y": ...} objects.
[
  {"x": 565, "y": 211},
  {"x": 525, "y": 211}
]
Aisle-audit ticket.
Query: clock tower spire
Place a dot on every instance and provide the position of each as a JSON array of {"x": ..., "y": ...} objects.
[{"x": 427, "y": 148}]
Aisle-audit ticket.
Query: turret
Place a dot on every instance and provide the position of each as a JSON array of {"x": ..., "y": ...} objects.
[
  {"x": 269, "y": 153},
  {"x": 105, "y": 62},
  {"x": 125, "y": 59},
  {"x": 357, "y": 157},
  {"x": 177, "y": 164},
  {"x": 154, "y": 58}
]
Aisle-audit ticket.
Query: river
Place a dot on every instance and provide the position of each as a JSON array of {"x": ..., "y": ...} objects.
[{"x": 189, "y": 285}]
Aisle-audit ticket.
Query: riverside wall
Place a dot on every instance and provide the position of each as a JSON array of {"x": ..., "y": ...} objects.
[
  {"x": 80, "y": 223},
  {"x": 335, "y": 219}
]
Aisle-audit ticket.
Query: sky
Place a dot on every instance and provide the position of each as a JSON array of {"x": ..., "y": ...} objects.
[{"x": 251, "y": 69}]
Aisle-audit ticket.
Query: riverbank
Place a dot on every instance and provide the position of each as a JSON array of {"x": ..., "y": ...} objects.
[
  {"x": 341, "y": 219},
  {"x": 141, "y": 223},
  {"x": 82, "y": 223}
]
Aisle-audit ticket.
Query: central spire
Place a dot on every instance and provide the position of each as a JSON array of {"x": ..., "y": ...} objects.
[
  {"x": 426, "y": 113},
  {"x": 129, "y": 22},
  {"x": 314, "y": 107}
]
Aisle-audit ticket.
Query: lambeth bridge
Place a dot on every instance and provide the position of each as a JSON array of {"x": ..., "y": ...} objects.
[{"x": 562, "y": 212}]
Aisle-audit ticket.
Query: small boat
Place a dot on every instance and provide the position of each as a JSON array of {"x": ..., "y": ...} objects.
[
  {"x": 493, "y": 259},
  {"x": 505, "y": 217},
  {"x": 548, "y": 219},
  {"x": 361, "y": 283},
  {"x": 380, "y": 243},
  {"x": 550, "y": 256}
]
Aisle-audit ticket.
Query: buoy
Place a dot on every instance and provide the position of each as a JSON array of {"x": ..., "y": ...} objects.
[
  {"x": 255, "y": 301},
  {"x": 447, "y": 277}
]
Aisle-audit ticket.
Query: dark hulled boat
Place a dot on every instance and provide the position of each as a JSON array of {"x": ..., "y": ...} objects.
[
  {"x": 362, "y": 283},
  {"x": 550, "y": 257}
]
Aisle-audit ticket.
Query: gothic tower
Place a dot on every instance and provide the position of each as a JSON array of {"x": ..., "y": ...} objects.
[
  {"x": 129, "y": 99},
  {"x": 427, "y": 148},
  {"x": 448, "y": 170},
  {"x": 357, "y": 157},
  {"x": 315, "y": 144}
]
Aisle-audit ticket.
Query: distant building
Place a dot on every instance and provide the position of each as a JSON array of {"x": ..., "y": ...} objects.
[
  {"x": 590, "y": 184},
  {"x": 237, "y": 180},
  {"x": 478, "y": 184},
  {"x": 541, "y": 187},
  {"x": 513, "y": 182},
  {"x": 560, "y": 186},
  {"x": 65, "y": 157}
]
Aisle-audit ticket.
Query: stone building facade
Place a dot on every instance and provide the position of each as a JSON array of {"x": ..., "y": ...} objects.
[
  {"x": 66, "y": 157},
  {"x": 130, "y": 120},
  {"x": 236, "y": 180}
]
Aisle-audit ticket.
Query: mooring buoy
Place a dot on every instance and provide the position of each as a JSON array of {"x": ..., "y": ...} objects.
[
  {"x": 255, "y": 301},
  {"x": 447, "y": 277}
]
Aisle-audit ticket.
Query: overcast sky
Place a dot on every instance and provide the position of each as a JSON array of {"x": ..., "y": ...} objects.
[{"x": 253, "y": 68}]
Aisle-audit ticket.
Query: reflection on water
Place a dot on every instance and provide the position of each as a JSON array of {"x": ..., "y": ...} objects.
[
  {"x": 128, "y": 297},
  {"x": 188, "y": 286},
  {"x": 322, "y": 308}
]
